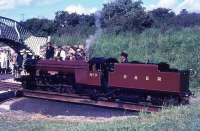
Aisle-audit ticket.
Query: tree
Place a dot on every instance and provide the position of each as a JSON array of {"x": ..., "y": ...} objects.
[
  {"x": 185, "y": 19},
  {"x": 70, "y": 24},
  {"x": 161, "y": 17},
  {"x": 40, "y": 27},
  {"x": 125, "y": 15}
]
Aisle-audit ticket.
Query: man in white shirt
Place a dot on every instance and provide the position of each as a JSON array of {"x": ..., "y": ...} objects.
[
  {"x": 4, "y": 63},
  {"x": 60, "y": 54}
]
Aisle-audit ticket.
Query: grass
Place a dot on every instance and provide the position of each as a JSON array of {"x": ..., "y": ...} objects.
[{"x": 182, "y": 118}]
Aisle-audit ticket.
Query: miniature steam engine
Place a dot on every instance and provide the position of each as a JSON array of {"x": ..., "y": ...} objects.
[{"x": 106, "y": 79}]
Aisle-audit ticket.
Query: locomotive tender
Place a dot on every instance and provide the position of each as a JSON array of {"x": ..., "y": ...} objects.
[{"x": 106, "y": 79}]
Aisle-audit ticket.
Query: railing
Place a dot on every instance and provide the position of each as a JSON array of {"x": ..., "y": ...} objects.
[
  {"x": 12, "y": 30},
  {"x": 14, "y": 34}
]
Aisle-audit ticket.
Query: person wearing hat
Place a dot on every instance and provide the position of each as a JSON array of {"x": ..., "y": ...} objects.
[
  {"x": 49, "y": 51},
  {"x": 60, "y": 54},
  {"x": 9, "y": 66},
  {"x": 71, "y": 53},
  {"x": 18, "y": 65},
  {"x": 123, "y": 57},
  {"x": 14, "y": 63},
  {"x": 78, "y": 54}
]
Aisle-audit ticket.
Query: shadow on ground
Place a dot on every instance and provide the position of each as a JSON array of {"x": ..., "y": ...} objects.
[{"x": 54, "y": 108}]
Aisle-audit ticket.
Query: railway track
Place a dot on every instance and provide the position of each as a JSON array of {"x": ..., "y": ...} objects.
[
  {"x": 8, "y": 91},
  {"x": 73, "y": 98},
  {"x": 10, "y": 86},
  {"x": 87, "y": 101}
]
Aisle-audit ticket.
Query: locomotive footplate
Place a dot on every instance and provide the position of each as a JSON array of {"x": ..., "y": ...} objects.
[{"x": 73, "y": 98}]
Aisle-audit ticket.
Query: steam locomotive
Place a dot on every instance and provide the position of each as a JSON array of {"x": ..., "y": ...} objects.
[{"x": 106, "y": 79}]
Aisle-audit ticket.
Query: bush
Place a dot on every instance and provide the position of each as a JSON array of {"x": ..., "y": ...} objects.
[
  {"x": 180, "y": 48},
  {"x": 68, "y": 40}
]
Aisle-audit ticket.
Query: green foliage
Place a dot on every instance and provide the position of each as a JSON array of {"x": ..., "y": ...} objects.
[
  {"x": 125, "y": 15},
  {"x": 68, "y": 40},
  {"x": 178, "y": 48},
  {"x": 161, "y": 17},
  {"x": 118, "y": 16},
  {"x": 40, "y": 27},
  {"x": 74, "y": 24}
]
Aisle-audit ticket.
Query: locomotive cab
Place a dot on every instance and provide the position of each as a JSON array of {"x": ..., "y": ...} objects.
[
  {"x": 104, "y": 66},
  {"x": 96, "y": 64},
  {"x": 99, "y": 65}
]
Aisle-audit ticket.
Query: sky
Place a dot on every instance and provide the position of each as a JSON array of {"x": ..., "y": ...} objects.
[{"x": 25, "y": 9}]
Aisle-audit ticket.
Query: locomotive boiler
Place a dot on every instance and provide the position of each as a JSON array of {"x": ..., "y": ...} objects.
[{"x": 108, "y": 80}]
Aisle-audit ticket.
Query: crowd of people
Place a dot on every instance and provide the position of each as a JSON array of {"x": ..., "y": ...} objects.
[
  {"x": 60, "y": 53},
  {"x": 76, "y": 52},
  {"x": 13, "y": 63}
]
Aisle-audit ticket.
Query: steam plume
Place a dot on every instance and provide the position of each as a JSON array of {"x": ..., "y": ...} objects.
[{"x": 92, "y": 38}]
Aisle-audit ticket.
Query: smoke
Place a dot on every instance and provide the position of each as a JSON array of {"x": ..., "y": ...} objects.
[{"x": 92, "y": 38}]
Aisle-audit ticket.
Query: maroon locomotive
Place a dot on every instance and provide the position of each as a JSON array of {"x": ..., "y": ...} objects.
[{"x": 106, "y": 79}]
